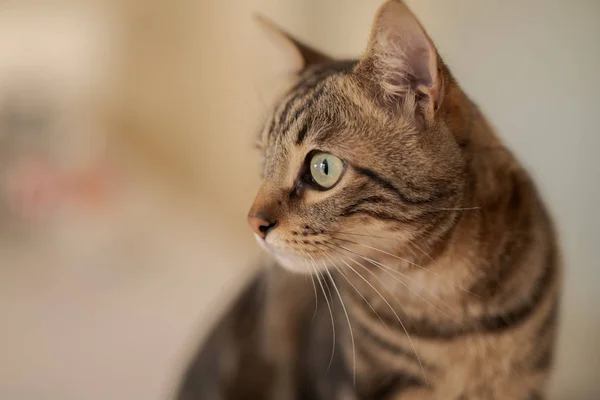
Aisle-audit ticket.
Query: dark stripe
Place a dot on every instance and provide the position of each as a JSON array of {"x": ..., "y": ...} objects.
[
  {"x": 494, "y": 323},
  {"x": 515, "y": 242},
  {"x": 372, "y": 213},
  {"x": 308, "y": 103},
  {"x": 383, "y": 385},
  {"x": 270, "y": 129},
  {"x": 369, "y": 200},
  {"x": 311, "y": 80},
  {"x": 509, "y": 263},
  {"x": 551, "y": 319},
  {"x": 356, "y": 207},
  {"x": 311, "y": 77},
  {"x": 488, "y": 323},
  {"x": 307, "y": 83},
  {"x": 535, "y": 396},
  {"x": 369, "y": 173},
  {"x": 337, "y": 67},
  {"x": 303, "y": 131},
  {"x": 384, "y": 345},
  {"x": 393, "y": 385},
  {"x": 293, "y": 101},
  {"x": 544, "y": 351},
  {"x": 544, "y": 357},
  {"x": 443, "y": 191}
]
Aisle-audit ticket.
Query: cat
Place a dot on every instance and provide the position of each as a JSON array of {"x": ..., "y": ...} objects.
[{"x": 433, "y": 266}]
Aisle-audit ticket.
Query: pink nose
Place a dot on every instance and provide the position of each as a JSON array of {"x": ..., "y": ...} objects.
[{"x": 260, "y": 224}]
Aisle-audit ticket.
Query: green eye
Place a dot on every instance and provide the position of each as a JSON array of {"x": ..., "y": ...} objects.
[{"x": 326, "y": 169}]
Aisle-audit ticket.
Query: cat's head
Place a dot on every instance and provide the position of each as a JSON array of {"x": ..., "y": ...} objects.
[{"x": 358, "y": 155}]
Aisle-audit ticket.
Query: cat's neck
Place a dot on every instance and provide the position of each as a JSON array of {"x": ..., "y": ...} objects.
[{"x": 420, "y": 279}]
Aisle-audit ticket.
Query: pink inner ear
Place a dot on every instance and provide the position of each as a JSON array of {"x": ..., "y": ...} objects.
[{"x": 404, "y": 56}]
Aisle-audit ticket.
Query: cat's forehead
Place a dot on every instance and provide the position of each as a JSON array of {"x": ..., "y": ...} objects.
[{"x": 309, "y": 106}]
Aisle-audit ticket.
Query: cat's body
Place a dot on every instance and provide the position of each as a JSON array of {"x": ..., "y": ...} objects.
[{"x": 434, "y": 254}]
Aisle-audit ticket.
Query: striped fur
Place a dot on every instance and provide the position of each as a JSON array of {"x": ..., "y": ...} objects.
[{"x": 434, "y": 271}]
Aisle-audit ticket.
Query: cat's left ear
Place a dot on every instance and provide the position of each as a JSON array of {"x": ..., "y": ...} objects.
[
  {"x": 287, "y": 53},
  {"x": 401, "y": 58}
]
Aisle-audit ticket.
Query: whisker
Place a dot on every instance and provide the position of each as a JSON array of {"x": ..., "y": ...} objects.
[
  {"x": 410, "y": 262},
  {"x": 312, "y": 279},
  {"x": 385, "y": 269},
  {"x": 390, "y": 270},
  {"x": 391, "y": 308},
  {"x": 438, "y": 275},
  {"x": 434, "y": 210},
  {"x": 355, "y": 288},
  {"x": 349, "y": 325},
  {"x": 384, "y": 252},
  {"x": 315, "y": 268},
  {"x": 380, "y": 266},
  {"x": 357, "y": 234},
  {"x": 456, "y": 209}
]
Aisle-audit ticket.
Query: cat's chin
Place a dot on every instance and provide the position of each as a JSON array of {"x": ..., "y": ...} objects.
[{"x": 293, "y": 263}]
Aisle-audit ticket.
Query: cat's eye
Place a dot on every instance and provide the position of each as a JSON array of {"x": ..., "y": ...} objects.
[{"x": 326, "y": 169}]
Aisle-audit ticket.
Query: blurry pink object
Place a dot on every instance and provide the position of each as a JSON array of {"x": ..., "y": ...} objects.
[{"x": 36, "y": 188}]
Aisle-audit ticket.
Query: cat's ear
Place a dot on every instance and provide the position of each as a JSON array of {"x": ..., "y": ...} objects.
[
  {"x": 401, "y": 58},
  {"x": 286, "y": 53}
]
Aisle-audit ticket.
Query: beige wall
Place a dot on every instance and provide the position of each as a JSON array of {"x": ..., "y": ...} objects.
[{"x": 187, "y": 76}]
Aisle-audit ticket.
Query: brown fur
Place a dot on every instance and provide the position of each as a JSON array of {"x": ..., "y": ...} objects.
[{"x": 438, "y": 254}]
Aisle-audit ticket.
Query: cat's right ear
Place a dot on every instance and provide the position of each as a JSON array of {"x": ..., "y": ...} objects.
[{"x": 286, "y": 54}]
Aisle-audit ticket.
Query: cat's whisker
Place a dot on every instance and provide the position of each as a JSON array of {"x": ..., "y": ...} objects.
[
  {"x": 380, "y": 295},
  {"x": 380, "y": 266},
  {"x": 384, "y": 252},
  {"x": 390, "y": 271},
  {"x": 456, "y": 209},
  {"x": 415, "y": 245},
  {"x": 316, "y": 270},
  {"x": 438, "y": 275},
  {"x": 342, "y": 256},
  {"x": 408, "y": 261},
  {"x": 386, "y": 269},
  {"x": 312, "y": 279},
  {"x": 349, "y": 324},
  {"x": 390, "y": 307},
  {"x": 327, "y": 287},
  {"x": 356, "y": 234},
  {"x": 354, "y": 287}
]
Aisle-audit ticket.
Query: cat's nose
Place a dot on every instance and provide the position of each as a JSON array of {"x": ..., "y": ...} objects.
[{"x": 260, "y": 224}]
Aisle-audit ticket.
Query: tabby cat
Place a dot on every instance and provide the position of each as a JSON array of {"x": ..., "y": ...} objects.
[{"x": 414, "y": 257}]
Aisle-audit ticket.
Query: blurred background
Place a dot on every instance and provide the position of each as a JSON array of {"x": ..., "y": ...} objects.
[{"x": 110, "y": 302}]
